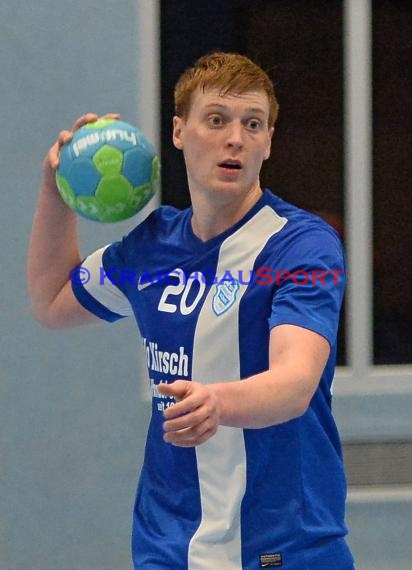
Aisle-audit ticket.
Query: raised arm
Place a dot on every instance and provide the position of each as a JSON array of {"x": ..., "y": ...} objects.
[{"x": 54, "y": 248}]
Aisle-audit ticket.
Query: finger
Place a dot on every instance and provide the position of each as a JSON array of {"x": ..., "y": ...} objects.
[
  {"x": 115, "y": 116},
  {"x": 177, "y": 389},
  {"x": 180, "y": 408},
  {"x": 188, "y": 438},
  {"x": 64, "y": 137},
  {"x": 53, "y": 156},
  {"x": 54, "y": 153},
  {"x": 205, "y": 436},
  {"x": 83, "y": 120},
  {"x": 185, "y": 421},
  {"x": 180, "y": 391},
  {"x": 192, "y": 432},
  {"x": 188, "y": 406}
]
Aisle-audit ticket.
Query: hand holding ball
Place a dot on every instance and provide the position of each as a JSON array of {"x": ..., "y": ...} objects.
[{"x": 108, "y": 171}]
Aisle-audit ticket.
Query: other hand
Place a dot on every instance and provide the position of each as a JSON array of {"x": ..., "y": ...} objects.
[{"x": 195, "y": 416}]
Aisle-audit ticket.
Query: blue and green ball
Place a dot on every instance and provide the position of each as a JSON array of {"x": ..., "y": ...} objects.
[{"x": 108, "y": 171}]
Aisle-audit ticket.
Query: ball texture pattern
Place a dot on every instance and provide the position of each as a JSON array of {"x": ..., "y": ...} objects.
[{"x": 108, "y": 172}]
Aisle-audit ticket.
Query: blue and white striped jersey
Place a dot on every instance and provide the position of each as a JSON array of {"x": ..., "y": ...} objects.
[{"x": 245, "y": 499}]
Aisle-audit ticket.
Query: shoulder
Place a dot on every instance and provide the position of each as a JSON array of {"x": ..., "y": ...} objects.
[
  {"x": 303, "y": 231},
  {"x": 160, "y": 225},
  {"x": 162, "y": 220}
]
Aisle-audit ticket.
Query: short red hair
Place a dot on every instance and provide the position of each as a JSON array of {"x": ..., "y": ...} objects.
[{"x": 229, "y": 72}]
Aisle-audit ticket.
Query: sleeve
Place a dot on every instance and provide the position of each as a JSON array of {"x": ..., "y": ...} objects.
[
  {"x": 93, "y": 287},
  {"x": 310, "y": 284}
]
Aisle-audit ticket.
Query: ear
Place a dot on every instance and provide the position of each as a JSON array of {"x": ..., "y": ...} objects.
[
  {"x": 177, "y": 132},
  {"x": 269, "y": 146}
]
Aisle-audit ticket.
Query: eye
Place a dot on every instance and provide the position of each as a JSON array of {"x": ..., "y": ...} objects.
[
  {"x": 215, "y": 121},
  {"x": 254, "y": 124}
]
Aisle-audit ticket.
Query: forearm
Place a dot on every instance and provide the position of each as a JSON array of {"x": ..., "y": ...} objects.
[
  {"x": 272, "y": 397},
  {"x": 53, "y": 249},
  {"x": 297, "y": 357}
]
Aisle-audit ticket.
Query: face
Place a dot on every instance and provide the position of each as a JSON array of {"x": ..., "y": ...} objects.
[{"x": 225, "y": 140}]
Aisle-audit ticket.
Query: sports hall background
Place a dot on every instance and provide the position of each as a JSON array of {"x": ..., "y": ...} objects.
[{"x": 73, "y": 411}]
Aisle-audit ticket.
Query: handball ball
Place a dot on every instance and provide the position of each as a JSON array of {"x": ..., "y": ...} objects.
[{"x": 108, "y": 171}]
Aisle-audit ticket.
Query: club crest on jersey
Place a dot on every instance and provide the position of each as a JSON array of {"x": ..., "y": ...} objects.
[{"x": 225, "y": 295}]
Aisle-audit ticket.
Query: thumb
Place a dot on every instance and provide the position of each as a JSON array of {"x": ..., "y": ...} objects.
[{"x": 177, "y": 389}]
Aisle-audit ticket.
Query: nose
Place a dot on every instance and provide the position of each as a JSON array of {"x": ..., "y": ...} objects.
[{"x": 235, "y": 135}]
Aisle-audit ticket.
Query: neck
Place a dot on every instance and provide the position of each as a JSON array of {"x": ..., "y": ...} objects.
[{"x": 211, "y": 217}]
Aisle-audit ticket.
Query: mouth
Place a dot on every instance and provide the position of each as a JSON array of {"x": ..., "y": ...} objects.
[{"x": 231, "y": 165}]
